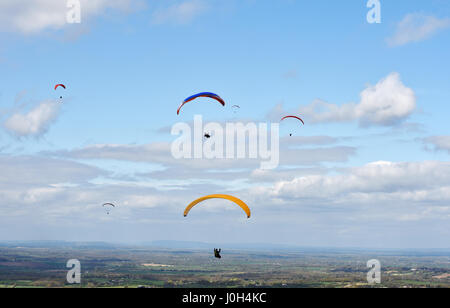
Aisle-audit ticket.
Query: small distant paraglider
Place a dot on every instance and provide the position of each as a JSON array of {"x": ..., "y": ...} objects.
[
  {"x": 207, "y": 136},
  {"x": 60, "y": 85},
  {"x": 292, "y": 117},
  {"x": 235, "y": 108},
  {"x": 108, "y": 207},
  {"x": 217, "y": 253},
  {"x": 203, "y": 94}
]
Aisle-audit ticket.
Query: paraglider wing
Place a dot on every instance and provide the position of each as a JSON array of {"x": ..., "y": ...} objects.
[
  {"x": 107, "y": 207},
  {"x": 203, "y": 94},
  {"x": 60, "y": 85},
  {"x": 293, "y": 117},
  {"x": 227, "y": 197}
]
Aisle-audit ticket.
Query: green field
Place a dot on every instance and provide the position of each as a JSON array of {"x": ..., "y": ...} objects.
[{"x": 161, "y": 267}]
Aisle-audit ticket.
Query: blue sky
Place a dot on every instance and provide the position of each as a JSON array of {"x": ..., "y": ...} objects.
[{"x": 371, "y": 163}]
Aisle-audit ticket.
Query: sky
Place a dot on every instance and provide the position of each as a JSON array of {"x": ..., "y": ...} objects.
[{"x": 370, "y": 167}]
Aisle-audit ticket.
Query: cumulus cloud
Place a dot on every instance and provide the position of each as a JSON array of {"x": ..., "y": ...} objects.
[
  {"x": 147, "y": 162},
  {"x": 417, "y": 27},
  {"x": 439, "y": 143},
  {"x": 50, "y": 182},
  {"x": 387, "y": 103},
  {"x": 292, "y": 153},
  {"x": 34, "y": 16},
  {"x": 427, "y": 181},
  {"x": 180, "y": 13},
  {"x": 38, "y": 202},
  {"x": 32, "y": 170},
  {"x": 34, "y": 122}
]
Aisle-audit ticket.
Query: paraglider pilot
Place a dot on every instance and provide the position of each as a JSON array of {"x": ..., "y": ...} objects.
[{"x": 217, "y": 253}]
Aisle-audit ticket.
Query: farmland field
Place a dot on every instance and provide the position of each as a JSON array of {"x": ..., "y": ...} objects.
[{"x": 120, "y": 266}]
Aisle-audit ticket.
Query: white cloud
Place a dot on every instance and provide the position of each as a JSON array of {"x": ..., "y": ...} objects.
[
  {"x": 34, "y": 122},
  {"x": 180, "y": 13},
  {"x": 387, "y": 103},
  {"x": 417, "y": 27},
  {"x": 440, "y": 143},
  {"x": 32, "y": 170},
  {"x": 34, "y": 16},
  {"x": 427, "y": 181},
  {"x": 402, "y": 199},
  {"x": 291, "y": 153}
]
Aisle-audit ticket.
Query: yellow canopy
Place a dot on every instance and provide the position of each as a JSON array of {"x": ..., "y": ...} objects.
[{"x": 227, "y": 197}]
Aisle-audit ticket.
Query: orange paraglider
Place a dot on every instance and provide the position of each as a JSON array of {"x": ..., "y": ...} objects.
[{"x": 239, "y": 202}]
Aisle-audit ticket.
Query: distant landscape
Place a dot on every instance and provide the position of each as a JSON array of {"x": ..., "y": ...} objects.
[{"x": 187, "y": 264}]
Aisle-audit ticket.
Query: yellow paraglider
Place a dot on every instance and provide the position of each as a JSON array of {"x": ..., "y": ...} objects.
[{"x": 227, "y": 197}]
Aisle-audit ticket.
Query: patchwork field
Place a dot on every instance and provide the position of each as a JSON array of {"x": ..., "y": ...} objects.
[{"x": 162, "y": 267}]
